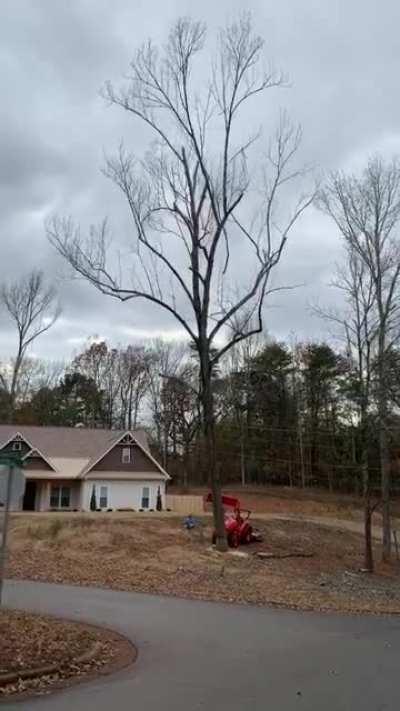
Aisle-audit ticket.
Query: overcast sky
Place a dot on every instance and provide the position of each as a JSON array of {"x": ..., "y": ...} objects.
[{"x": 342, "y": 58}]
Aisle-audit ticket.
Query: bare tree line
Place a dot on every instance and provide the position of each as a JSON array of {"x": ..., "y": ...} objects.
[{"x": 366, "y": 211}]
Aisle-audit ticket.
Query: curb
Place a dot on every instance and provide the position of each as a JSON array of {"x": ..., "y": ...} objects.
[{"x": 37, "y": 672}]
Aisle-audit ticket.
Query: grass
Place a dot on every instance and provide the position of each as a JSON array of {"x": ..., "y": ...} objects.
[{"x": 154, "y": 554}]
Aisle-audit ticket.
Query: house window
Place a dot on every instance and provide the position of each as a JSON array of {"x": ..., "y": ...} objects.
[
  {"x": 126, "y": 455},
  {"x": 54, "y": 497},
  {"x": 17, "y": 446},
  {"x": 103, "y": 501},
  {"x": 60, "y": 497},
  {"x": 65, "y": 496},
  {"x": 145, "y": 497}
]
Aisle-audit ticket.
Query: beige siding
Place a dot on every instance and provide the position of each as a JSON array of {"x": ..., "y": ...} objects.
[
  {"x": 185, "y": 504},
  {"x": 123, "y": 494}
]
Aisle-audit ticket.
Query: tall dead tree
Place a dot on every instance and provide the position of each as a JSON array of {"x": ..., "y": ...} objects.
[
  {"x": 366, "y": 210},
  {"x": 32, "y": 305},
  {"x": 208, "y": 231}
]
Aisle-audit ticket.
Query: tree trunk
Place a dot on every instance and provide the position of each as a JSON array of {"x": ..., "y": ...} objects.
[
  {"x": 207, "y": 402},
  {"x": 129, "y": 408},
  {"x": 290, "y": 476},
  {"x": 136, "y": 411},
  {"x": 301, "y": 452},
  {"x": 385, "y": 488},
  {"x": 14, "y": 386},
  {"x": 330, "y": 479},
  {"x": 186, "y": 466},
  {"x": 368, "y": 552},
  {"x": 384, "y": 457},
  {"x": 165, "y": 447},
  {"x": 242, "y": 456}
]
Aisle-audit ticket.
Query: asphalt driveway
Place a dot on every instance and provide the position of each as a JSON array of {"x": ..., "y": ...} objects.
[{"x": 212, "y": 657}]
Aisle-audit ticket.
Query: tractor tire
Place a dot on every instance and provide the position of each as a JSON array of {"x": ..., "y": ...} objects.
[
  {"x": 247, "y": 538},
  {"x": 233, "y": 539}
]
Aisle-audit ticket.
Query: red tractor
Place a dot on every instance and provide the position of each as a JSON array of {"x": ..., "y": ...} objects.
[{"x": 237, "y": 526}]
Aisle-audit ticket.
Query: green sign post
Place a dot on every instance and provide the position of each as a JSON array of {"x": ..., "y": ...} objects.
[{"x": 12, "y": 487}]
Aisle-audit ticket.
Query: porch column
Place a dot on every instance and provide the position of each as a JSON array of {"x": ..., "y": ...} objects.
[{"x": 44, "y": 501}]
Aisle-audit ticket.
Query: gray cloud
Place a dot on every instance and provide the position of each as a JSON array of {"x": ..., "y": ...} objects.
[{"x": 342, "y": 59}]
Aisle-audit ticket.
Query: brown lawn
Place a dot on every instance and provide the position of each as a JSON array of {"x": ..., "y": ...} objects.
[
  {"x": 151, "y": 553},
  {"x": 307, "y": 502}
]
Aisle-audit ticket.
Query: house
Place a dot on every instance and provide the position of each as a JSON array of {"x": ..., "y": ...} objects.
[{"x": 64, "y": 465}]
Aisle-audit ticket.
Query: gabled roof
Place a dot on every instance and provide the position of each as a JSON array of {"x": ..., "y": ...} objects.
[
  {"x": 19, "y": 437},
  {"x": 66, "y": 441},
  {"x": 120, "y": 437},
  {"x": 72, "y": 450},
  {"x": 33, "y": 452}
]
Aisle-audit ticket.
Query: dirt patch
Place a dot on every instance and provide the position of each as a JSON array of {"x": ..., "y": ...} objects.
[
  {"x": 39, "y": 654},
  {"x": 154, "y": 554}
]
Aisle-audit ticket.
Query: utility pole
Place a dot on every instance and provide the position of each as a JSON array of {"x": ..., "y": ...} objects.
[{"x": 12, "y": 487}]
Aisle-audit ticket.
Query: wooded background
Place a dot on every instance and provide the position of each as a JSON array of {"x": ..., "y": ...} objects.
[{"x": 287, "y": 414}]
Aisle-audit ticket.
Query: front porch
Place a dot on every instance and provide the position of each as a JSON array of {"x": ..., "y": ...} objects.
[{"x": 45, "y": 495}]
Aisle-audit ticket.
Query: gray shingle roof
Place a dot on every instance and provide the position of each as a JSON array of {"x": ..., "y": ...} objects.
[{"x": 69, "y": 442}]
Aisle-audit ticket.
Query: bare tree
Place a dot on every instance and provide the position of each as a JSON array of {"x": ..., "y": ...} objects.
[
  {"x": 133, "y": 376},
  {"x": 36, "y": 373},
  {"x": 366, "y": 210},
  {"x": 32, "y": 305},
  {"x": 163, "y": 360},
  {"x": 358, "y": 326},
  {"x": 101, "y": 364},
  {"x": 197, "y": 210}
]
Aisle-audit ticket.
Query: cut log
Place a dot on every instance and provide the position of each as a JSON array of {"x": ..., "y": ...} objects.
[{"x": 295, "y": 554}]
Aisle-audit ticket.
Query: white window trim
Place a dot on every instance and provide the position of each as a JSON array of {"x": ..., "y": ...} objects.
[
  {"x": 104, "y": 486},
  {"x": 142, "y": 497},
  {"x": 60, "y": 487},
  {"x": 128, "y": 459},
  {"x": 17, "y": 446}
]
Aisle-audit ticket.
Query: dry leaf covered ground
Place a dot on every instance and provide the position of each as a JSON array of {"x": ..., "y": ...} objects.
[
  {"x": 152, "y": 553},
  {"x": 54, "y": 651}
]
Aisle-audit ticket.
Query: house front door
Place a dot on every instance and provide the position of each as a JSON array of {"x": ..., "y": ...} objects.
[{"x": 29, "y": 496}]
